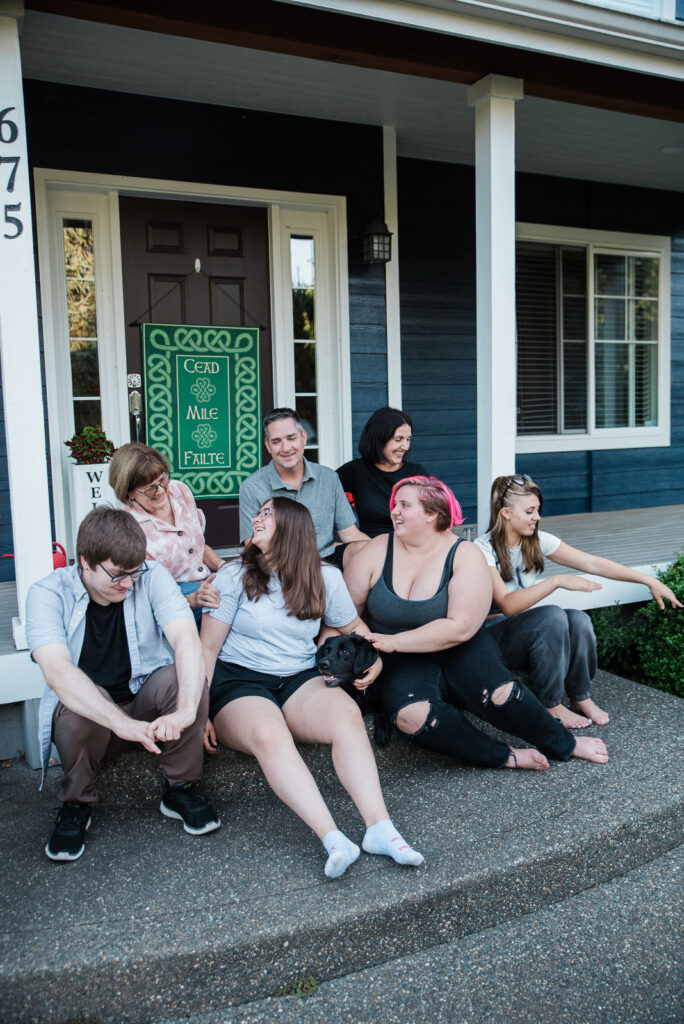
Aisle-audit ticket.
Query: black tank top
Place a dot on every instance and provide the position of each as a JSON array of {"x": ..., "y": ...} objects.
[{"x": 388, "y": 613}]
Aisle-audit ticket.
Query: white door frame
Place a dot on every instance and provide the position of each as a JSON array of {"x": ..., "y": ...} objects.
[{"x": 96, "y": 196}]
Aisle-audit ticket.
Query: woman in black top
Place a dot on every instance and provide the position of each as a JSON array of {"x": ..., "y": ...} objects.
[
  {"x": 368, "y": 481},
  {"x": 425, "y": 595}
]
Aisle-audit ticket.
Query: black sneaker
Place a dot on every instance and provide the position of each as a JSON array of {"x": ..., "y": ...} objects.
[
  {"x": 67, "y": 842},
  {"x": 182, "y": 801}
]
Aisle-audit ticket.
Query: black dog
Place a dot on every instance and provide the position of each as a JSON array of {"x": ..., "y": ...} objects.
[{"x": 341, "y": 660}]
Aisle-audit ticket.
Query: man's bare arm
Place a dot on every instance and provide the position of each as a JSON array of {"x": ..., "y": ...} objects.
[{"x": 80, "y": 694}]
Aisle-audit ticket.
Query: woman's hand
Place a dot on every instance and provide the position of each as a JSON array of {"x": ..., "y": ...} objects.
[
  {"x": 205, "y": 596},
  {"x": 369, "y": 676},
  {"x": 662, "y": 594},
  {"x": 385, "y": 642},
  {"x": 210, "y": 741},
  {"x": 566, "y": 581}
]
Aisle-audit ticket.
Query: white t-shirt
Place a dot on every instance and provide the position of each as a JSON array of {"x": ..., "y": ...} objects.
[
  {"x": 521, "y": 577},
  {"x": 262, "y": 636}
]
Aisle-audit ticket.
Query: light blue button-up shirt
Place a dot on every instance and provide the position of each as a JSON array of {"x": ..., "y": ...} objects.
[{"x": 55, "y": 614}]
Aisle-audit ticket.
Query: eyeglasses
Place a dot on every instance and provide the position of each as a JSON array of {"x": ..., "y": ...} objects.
[
  {"x": 150, "y": 491},
  {"x": 263, "y": 513},
  {"x": 121, "y": 576}
]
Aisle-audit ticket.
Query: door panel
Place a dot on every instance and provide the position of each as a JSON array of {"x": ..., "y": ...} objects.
[{"x": 161, "y": 242}]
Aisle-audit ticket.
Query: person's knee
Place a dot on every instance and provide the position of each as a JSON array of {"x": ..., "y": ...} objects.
[
  {"x": 411, "y": 718},
  {"x": 551, "y": 620},
  {"x": 268, "y": 737},
  {"x": 502, "y": 694},
  {"x": 581, "y": 625},
  {"x": 349, "y": 713}
]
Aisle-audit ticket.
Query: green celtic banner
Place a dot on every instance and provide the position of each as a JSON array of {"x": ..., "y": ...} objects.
[{"x": 203, "y": 403}]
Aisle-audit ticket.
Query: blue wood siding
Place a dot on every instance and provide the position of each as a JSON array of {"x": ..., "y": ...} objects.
[
  {"x": 436, "y": 217},
  {"x": 437, "y": 269},
  {"x": 155, "y": 138}
]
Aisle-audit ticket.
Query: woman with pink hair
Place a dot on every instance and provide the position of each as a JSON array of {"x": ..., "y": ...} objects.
[{"x": 425, "y": 595}]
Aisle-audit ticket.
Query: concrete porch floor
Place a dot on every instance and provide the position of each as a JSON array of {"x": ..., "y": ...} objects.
[{"x": 153, "y": 925}]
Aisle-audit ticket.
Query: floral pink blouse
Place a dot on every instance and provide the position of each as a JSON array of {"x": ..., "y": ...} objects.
[{"x": 179, "y": 548}]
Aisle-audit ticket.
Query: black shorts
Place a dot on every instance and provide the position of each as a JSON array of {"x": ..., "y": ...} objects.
[{"x": 232, "y": 681}]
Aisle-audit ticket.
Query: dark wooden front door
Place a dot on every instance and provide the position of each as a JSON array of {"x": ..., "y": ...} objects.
[{"x": 161, "y": 242}]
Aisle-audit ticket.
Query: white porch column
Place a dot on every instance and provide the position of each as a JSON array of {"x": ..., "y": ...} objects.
[
  {"x": 494, "y": 100},
  {"x": 21, "y": 383},
  {"x": 389, "y": 153}
]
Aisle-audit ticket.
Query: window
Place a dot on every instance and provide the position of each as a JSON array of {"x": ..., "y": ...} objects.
[
  {"x": 81, "y": 307},
  {"x": 303, "y": 284},
  {"x": 592, "y": 340}
]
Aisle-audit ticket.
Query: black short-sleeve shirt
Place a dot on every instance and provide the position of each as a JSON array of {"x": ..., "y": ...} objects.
[
  {"x": 371, "y": 489},
  {"x": 104, "y": 656}
]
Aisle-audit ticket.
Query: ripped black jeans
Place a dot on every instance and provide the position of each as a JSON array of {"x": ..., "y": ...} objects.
[{"x": 466, "y": 676}]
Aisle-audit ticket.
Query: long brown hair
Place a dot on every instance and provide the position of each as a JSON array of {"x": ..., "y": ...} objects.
[
  {"x": 505, "y": 492},
  {"x": 293, "y": 557}
]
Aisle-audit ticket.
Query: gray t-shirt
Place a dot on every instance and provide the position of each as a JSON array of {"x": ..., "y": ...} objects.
[
  {"x": 521, "y": 577},
  {"x": 262, "y": 636},
  {"x": 320, "y": 491}
]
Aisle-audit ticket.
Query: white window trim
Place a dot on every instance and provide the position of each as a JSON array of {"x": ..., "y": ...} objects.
[
  {"x": 97, "y": 196},
  {"x": 624, "y": 437},
  {"x": 333, "y": 381}
]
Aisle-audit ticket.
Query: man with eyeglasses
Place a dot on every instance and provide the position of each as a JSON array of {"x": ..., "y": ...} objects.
[{"x": 96, "y": 629}]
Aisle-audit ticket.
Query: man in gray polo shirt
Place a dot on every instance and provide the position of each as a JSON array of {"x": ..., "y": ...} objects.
[{"x": 290, "y": 475}]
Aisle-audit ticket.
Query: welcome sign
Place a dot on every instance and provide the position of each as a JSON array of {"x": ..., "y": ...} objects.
[{"x": 203, "y": 403}]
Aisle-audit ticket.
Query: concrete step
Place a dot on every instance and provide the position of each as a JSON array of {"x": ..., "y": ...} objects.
[
  {"x": 152, "y": 923},
  {"x": 612, "y": 953}
]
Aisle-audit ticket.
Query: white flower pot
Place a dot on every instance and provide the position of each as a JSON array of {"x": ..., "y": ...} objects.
[{"x": 89, "y": 488}]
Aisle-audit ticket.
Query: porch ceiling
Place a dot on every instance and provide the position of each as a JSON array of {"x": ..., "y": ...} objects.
[{"x": 431, "y": 117}]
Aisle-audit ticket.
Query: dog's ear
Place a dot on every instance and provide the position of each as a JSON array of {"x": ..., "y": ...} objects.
[{"x": 365, "y": 655}]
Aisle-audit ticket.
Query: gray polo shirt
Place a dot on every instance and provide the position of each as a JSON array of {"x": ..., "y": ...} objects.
[{"x": 320, "y": 490}]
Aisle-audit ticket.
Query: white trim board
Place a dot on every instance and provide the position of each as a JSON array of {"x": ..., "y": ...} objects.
[
  {"x": 611, "y": 592},
  {"x": 97, "y": 195},
  {"x": 563, "y": 28}
]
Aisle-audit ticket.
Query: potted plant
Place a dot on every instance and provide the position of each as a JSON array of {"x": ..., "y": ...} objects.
[{"x": 91, "y": 450}]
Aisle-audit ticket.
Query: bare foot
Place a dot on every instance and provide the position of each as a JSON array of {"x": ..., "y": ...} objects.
[
  {"x": 591, "y": 710},
  {"x": 527, "y": 757},
  {"x": 568, "y": 718},
  {"x": 590, "y": 750}
]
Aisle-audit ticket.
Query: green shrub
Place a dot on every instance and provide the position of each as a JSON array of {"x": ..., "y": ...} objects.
[
  {"x": 616, "y": 640},
  {"x": 660, "y": 635},
  {"x": 645, "y": 643}
]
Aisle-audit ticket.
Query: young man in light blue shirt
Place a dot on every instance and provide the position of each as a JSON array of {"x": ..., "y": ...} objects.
[{"x": 96, "y": 630}]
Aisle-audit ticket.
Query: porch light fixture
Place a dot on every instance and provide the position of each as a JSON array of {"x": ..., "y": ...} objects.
[{"x": 377, "y": 243}]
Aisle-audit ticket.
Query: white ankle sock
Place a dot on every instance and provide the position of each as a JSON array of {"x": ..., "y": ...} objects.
[
  {"x": 383, "y": 838},
  {"x": 341, "y": 853}
]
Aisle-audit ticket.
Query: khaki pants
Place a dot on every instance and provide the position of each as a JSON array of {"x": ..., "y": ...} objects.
[{"x": 84, "y": 745}]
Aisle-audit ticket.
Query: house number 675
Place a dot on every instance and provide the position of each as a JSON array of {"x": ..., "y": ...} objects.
[{"x": 9, "y": 133}]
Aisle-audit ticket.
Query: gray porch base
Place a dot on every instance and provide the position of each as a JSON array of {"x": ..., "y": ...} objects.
[{"x": 154, "y": 925}]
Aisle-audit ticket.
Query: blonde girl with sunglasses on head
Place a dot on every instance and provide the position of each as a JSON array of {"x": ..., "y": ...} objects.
[{"x": 556, "y": 645}]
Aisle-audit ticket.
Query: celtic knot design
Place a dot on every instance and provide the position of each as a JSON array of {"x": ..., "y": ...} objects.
[
  {"x": 203, "y": 389},
  {"x": 204, "y": 436},
  {"x": 238, "y": 423}
]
